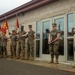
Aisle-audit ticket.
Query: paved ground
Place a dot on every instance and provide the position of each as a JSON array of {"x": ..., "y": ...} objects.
[{"x": 12, "y": 67}]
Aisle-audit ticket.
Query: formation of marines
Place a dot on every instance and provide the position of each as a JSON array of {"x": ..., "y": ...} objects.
[{"x": 20, "y": 39}]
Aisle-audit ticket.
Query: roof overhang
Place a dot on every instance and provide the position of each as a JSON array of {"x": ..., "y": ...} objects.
[{"x": 25, "y": 8}]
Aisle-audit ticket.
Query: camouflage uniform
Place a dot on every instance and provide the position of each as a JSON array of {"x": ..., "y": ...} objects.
[
  {"x": 4, "y": 45},
  {"x": 13, "y": 44},
  {"x": 21, "y": 44},
  {"x": 30, "y": 44},
  {"x": 1, "y": 44}
]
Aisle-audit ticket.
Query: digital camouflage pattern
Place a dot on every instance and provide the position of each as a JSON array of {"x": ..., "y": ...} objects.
[
  {"x": 30, "y": 44},
  {"x": 21, "y": 44},
  {"x": 54, "y": 46},
  {"x": 13, "y": 44},
  {"x": 4, "y": 45}
]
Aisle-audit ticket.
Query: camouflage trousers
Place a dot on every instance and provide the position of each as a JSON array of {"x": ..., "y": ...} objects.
[
  {"x": 54, "y": 51},
  {"x": 21, "y": 48},
  {"x": 4, "y": 51},
  {"x": 30, "y": 50},
  {"x": 13, "y": 50},
  {"x": 0, "y": 50}
]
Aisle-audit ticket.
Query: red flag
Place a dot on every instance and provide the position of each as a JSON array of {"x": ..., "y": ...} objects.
[
  {"x": 3, "y": 29},
  {"x": 5, "y": 26},
  {"x": 17, "y": 24}
]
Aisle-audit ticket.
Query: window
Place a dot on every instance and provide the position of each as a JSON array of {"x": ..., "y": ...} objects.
[
  {"x": 46, "y": 29},
  {"x": 70, "y": 24},
  {"x": 38, "y": 28},
  {"x": 70, "y": 50},
  {"x": 60, "y": 27}
]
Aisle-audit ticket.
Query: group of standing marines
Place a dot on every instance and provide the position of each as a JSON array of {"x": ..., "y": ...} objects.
[
  {"x": 21, "y": 36},
  {"x": 18, "y": 38}
]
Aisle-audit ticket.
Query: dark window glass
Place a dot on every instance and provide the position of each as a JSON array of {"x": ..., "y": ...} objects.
[
  {"x": 70, "y": 50},
  {"x": 46, "y": 28},
  {"x": 70, "y": 24},
  {"x": 37, "y": 48}
]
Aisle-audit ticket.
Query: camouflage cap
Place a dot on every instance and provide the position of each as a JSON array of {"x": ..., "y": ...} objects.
[
  {"x": 30, "y": 26},
  {"x": 22, "y": 26},
  {"x": 54, "y": 24},
  {"x": 14, "y": 31}
]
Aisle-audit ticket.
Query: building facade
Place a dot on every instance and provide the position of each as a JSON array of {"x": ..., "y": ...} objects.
[{"x": 41, "y": 15}]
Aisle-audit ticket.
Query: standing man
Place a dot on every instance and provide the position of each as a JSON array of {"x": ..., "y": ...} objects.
[
  {"x": 54, "y": 43},
  {"x": 21, "y": 43},
  {"x": 73, "y": 32},
  {"x": 0, "y": 43},
  {"x": 13, "y": 43},
  {"x": 4, "y": 44},
  {"x": 30, "y": 43}
]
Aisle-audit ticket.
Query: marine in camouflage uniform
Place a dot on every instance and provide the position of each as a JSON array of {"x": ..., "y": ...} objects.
[
  {"x": 4, "y": 44},
  {"x": 13, "y": 43},
  {"x": 30, "y": 43},
  {"x": 21, "y": 43},
  {"x": 0, "y": 43},
  {"x": 54, "y": 43},
  {"x": 73, "y": 33}
]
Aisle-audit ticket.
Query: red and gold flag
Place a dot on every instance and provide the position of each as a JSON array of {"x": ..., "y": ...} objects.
[{"x": 5, "y": 26}]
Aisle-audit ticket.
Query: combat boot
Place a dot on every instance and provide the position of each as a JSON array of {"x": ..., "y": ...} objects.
[
  {"x": 56, "y": 62},
  {"x": 23, "y": 58},
  {"x": 52, "y": 61},
  {"x": 27, "y": 58},
  {"x": 11, "y": 56},
  {"x": 74, "y": 66},
  {"x": 14, "y": 57},
  {"x": 18, "y": 57},
  {"x": 32, "y": 59},
  {"x": 5, "y": 56},
  {"x": 1, "y": 56}
]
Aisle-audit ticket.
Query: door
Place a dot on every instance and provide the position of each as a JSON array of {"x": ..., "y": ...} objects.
[
  {"x": 70, "y": 37},
  {"x": 46, "y": 26},
  {"x": 61, "y": 27}
]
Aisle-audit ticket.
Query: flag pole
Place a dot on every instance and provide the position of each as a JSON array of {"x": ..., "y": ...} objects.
[{"x": 17, "y": 23}]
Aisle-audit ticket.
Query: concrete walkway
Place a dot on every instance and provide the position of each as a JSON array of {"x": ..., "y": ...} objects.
[{"x": 46, "y": 64}]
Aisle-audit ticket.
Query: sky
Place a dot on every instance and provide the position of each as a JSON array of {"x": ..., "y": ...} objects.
[{"x": 7, "y": 5}]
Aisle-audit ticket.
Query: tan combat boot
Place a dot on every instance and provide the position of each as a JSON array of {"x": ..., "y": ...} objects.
[
  {"x": 52, "y": 61},
  {"x": 14, "y": 56},
  {"x": 56, "y": 62},
  {"x": 27, "y": 59},
  {"x": 74, "y": 66},
  {"x": 18, "y": 57},
  {"x": 32, "y": 59},
  {"x": 5, "y": 56},
  {"x": 23, "y": 58}
]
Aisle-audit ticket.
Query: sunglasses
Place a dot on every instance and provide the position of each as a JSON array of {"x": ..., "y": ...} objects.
[{"x": 53, "y": 26}]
